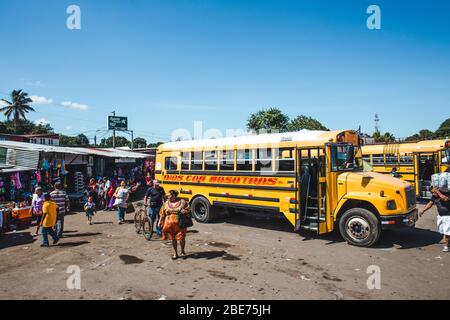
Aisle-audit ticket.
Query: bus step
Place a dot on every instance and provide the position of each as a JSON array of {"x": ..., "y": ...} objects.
[
  {"x": 315, "y": 209},
  {"x": 311, "y": 226},
  {"x": 314, "y": 218}
]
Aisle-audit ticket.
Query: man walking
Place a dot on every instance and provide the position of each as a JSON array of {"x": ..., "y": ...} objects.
[
  {"x": 48, "y": 221},
  {"x": 154, "y": 199},
  {"x": 442, "y": 202},
  {"x": 62, "y": 201}
]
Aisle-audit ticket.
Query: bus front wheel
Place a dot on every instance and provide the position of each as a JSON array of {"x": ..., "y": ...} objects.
[
  {"x": 202, "y": 210},
  {"x": 360, "y": 227}
]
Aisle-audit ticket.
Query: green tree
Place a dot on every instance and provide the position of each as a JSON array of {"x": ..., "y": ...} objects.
[
  {"x": 120, "y": 142},
  {"x": 270, "y": 119},
  {"x": 444, "y": 130},
  {"x": 42, "y": 129},
  {"x": 155, "y": 145},
  {"x": 139, "y": 143},
  {"x": 24, "y": 127},
  {"x": 3, "y": 128},
  {"x": 423, "y": 134},
  {"x": 306, "y": 123},
  {"x": 386, "y": 137},
  {"x": 78, "y": 141},
  {"x": 17, "y": 108}
]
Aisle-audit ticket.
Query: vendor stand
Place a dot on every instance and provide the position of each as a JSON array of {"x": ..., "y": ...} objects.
[{"x": 16, "y": 186}]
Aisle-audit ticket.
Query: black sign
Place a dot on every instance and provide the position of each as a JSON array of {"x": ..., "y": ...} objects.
[{"x": 117, "y": 123}]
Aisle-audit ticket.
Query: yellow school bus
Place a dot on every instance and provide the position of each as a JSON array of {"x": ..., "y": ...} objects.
[
  {"x": 413, "y": 162},
  {"x": 313, "y": 178}
]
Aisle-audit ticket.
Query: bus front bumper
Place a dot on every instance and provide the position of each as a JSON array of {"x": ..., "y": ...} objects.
[{"x": 400, "y": 221}]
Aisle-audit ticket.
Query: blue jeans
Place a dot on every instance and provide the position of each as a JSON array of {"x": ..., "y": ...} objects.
[
  {"x": 153, "y": 214},
  {"x": 59, "y": 228},
  {"x": 45, "y": 233},
  {"x": 121, "y": 214}
]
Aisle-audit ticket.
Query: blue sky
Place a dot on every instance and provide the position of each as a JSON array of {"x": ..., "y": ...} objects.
[{"x": 166, "y": 64}]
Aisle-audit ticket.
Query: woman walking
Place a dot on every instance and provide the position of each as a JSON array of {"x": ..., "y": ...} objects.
[
  {"x": 37, "y": 203},
  {"x": 169, "y": 222},
  {"x": 122, "y": 194}
]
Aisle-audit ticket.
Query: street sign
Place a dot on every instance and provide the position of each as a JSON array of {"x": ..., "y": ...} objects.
[{"x": 117, "y": 123}]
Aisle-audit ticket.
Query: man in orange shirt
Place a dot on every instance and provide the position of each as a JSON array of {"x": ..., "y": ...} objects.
[{"x": 49, "y": 211}]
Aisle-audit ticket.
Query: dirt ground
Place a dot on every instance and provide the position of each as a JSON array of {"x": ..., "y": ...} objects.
[{"x": 238, "y": 257}]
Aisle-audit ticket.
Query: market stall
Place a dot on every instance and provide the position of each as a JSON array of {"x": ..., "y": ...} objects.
[{"x": 16, "y": 187}]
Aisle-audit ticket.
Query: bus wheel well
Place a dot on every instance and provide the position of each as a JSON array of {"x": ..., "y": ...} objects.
[
  {"x": 351, "y": 203},
  {"x": 199, "y": 196}
]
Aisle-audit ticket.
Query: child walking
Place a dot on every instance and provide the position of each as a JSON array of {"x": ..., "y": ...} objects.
[{"x": 90, "y": 209}]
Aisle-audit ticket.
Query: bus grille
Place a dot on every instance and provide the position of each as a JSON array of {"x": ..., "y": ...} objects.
[{"x": 411, "y": 197}]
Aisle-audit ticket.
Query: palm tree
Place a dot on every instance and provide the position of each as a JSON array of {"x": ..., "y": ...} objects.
[{"x": 18, "y": 107}]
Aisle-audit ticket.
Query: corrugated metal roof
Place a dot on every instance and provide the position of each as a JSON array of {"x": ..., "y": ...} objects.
[
  {"x": 23, "y": 158},
  {"x": 110, "y": 153},
  {"x": 11, "y": 169},
  {"x": 39, "y": 147}
]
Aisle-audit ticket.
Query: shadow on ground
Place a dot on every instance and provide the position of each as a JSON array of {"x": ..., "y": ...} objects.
[
  {"x": 13, "y": 239},
  {"x": 407, "y": 238},
  {"x": 208, "y": 255},
  {"x": 71, "y": 244},
  {"x": 82, "y": 235}
]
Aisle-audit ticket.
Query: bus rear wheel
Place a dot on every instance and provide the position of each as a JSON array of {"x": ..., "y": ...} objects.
[
  {"x": 360, "y": 227},
  {"x": 202, "y": 210}
]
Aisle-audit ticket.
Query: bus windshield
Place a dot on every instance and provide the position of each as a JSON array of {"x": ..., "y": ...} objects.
[{"x": 343, "y": 158}]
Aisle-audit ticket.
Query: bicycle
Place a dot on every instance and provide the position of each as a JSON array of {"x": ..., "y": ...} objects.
[{"x": 143, "y": 224}]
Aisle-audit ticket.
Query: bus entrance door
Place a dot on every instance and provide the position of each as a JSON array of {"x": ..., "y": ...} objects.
[
  {"x": 426, "y": 167},
  {"x": 312, "y": 190}
]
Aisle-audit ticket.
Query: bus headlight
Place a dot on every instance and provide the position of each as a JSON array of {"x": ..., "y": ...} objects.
[{"x": 391, "y": 205}]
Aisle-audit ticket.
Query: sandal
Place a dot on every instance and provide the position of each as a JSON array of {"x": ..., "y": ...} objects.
[{"x": 174, "y": 257}]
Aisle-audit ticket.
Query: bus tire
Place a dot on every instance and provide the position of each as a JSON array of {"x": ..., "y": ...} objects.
[
  {"x": 360, "y": 227},
  {"x": 202, "y": 210}
]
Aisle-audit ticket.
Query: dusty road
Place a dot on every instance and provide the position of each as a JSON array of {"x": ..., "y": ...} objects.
[{"x": 240, "y": 257}]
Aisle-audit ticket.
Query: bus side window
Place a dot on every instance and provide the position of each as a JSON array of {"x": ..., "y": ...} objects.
[
  {"x": 406, "y": 160},
  {"x": 197, "y": 161},
  {"x": 244, "y": 160},
  {"x": 263, "y": 159},
  {"x": 227, "y": 160},
  {"x": 211, "y": 160},
  {"x": 171, "y": 163},
  {"x": 284, "y": 160},
  {"x": 378, "y": 159},
  {"x": 392, "y": 159},
  {"x": 185, "y": 161}
]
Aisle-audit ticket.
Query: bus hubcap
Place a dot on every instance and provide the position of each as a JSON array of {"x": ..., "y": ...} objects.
[
  {"x": 200, "y": 210},
  {"x": 358, "y": 228}
]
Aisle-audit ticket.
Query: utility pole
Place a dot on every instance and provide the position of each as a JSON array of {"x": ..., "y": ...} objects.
[
  {"x": 114, "y": 133},
  {"x": 95, "y": 141},
  {"x": 132, "y": 140}
]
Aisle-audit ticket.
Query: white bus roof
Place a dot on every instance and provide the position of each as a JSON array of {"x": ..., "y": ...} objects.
[{"x": 304, "y": 136}]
